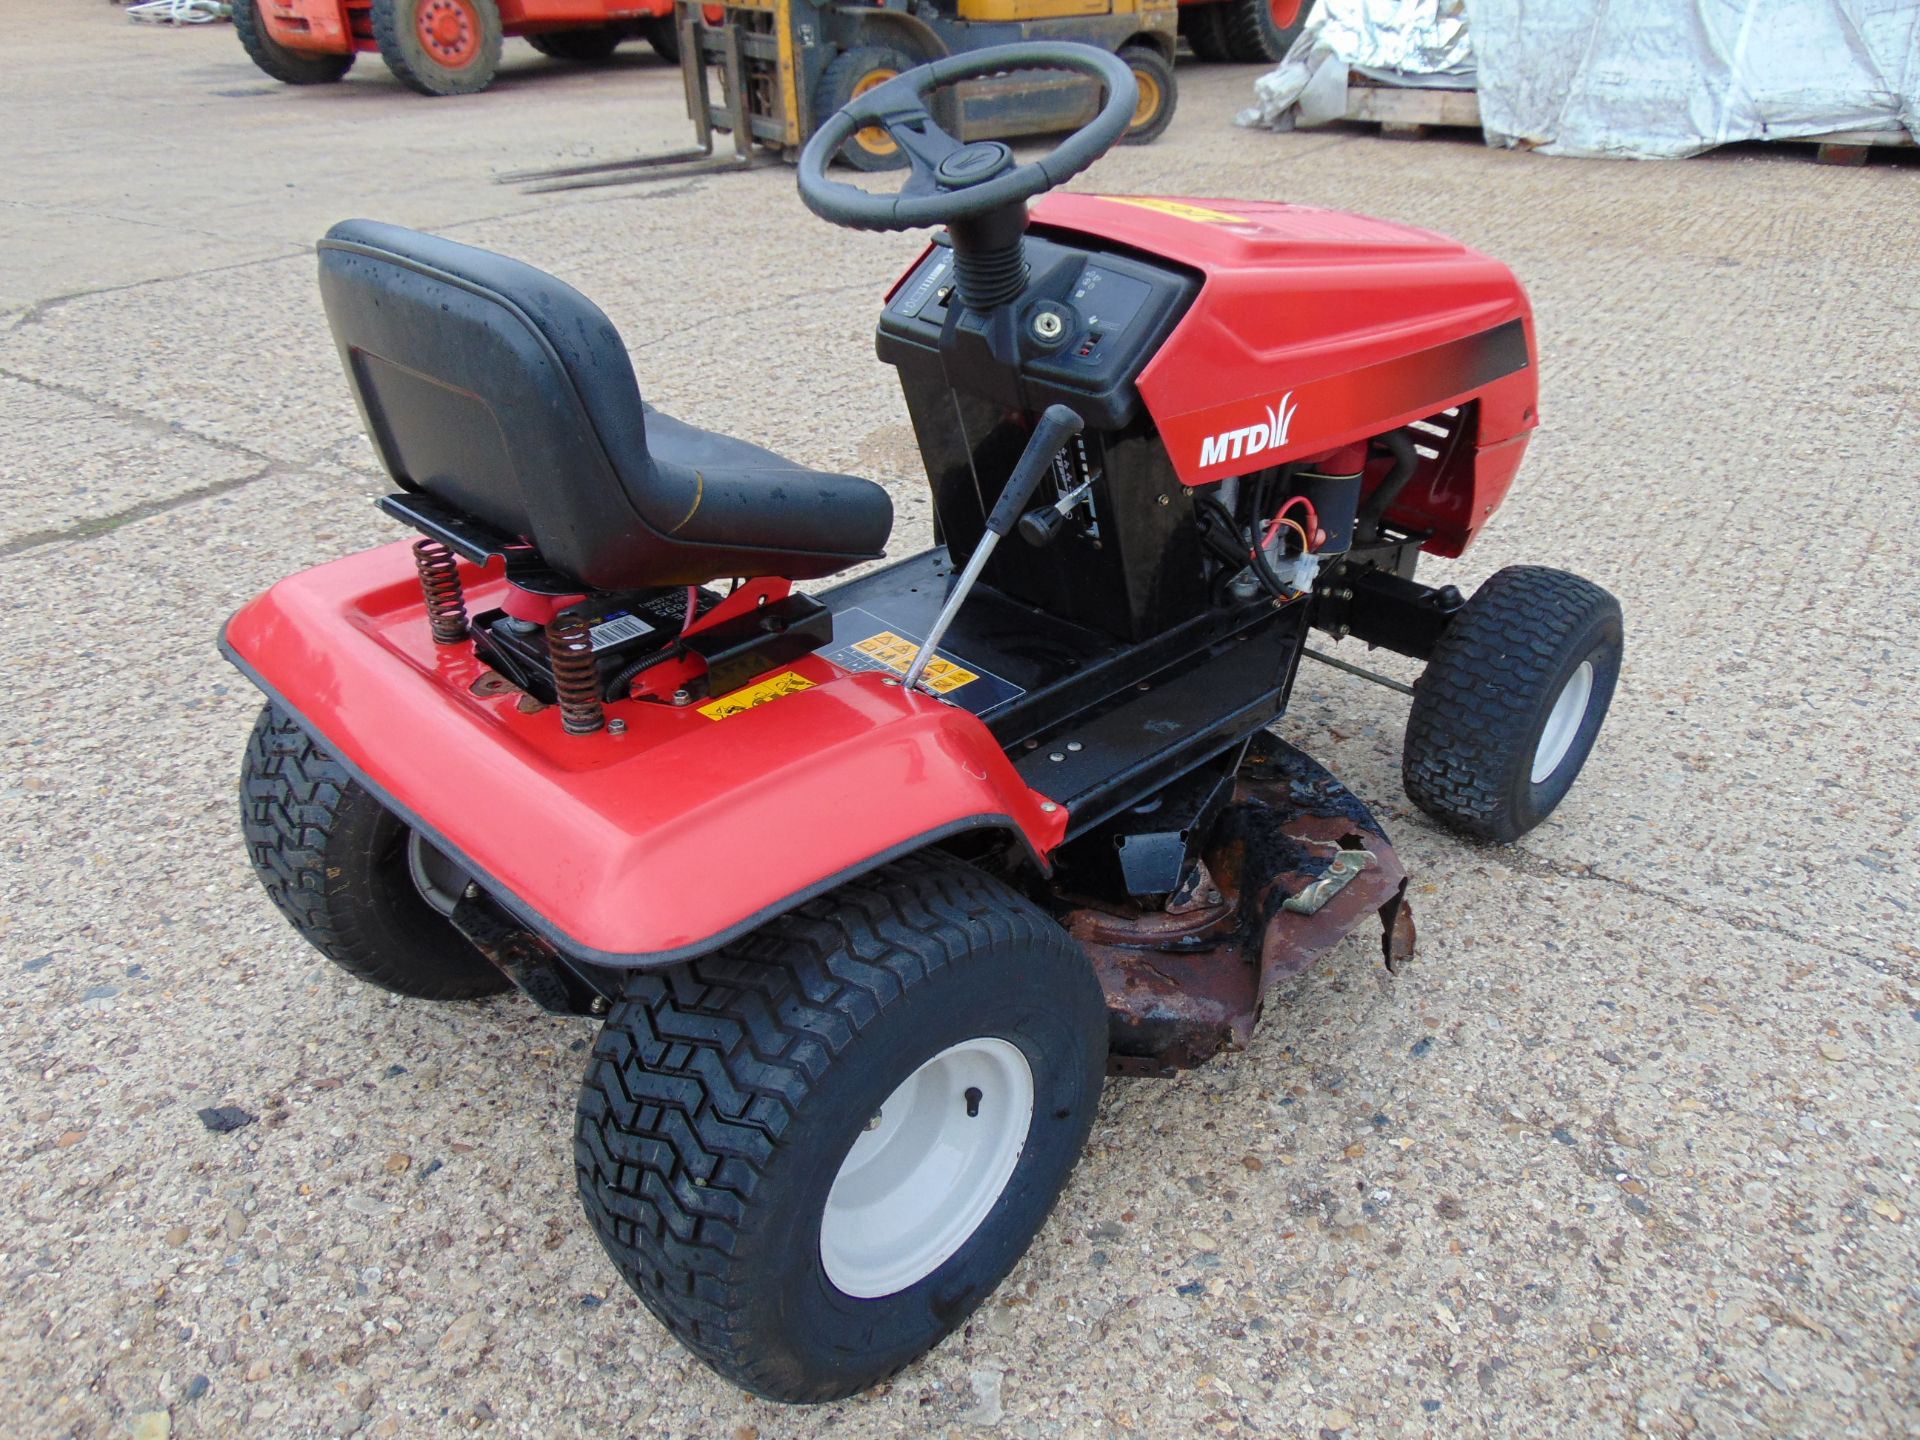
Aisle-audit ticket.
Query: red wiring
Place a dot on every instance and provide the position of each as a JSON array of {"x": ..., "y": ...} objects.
[
  {"x": 693, "y": 608},
  {"x": 1312, "y": 527}
]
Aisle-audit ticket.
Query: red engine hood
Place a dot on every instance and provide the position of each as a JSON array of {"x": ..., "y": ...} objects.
[{"x": 1314, "y": 328}]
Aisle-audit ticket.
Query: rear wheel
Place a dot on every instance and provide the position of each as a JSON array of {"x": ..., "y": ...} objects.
[
  {"x": 439, "y": 47},
  {"x": 289, "y": 67},
  {"x": 1259, "y": 31},
  {"x": 854, "y": 73},
  {"x": 364, "y": 889},
  {"x": 1205, "y": 27},
  {"x": 592, "y": 45},
  {"x": 1509, "y": 706},
  {"x": 1158, "y": 93},
  {"x": 663, "y": 36},
  {"x": 813, "y": 1154}
]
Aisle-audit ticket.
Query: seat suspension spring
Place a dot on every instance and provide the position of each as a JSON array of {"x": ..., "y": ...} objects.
[
  {"x": 440, "y": 582},
  {"x": 576, "y": 680}
]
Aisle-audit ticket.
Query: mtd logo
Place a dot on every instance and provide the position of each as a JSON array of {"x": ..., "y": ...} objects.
[{"x": 1251, "y": 440}]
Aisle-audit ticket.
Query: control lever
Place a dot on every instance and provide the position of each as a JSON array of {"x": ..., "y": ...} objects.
[
  {"x": 1041, "y": 526},
  {"x": 1057, "y": 426}
]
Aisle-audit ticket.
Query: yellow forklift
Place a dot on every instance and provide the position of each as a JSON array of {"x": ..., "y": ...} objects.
[{"x": 768, "y": 72}]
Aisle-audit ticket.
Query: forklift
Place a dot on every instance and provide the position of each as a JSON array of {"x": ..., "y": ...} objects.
[{"x": 768, "y": 73}]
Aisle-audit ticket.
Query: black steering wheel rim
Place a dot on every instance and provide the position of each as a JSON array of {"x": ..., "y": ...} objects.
[{"x": 939, "y": 190}]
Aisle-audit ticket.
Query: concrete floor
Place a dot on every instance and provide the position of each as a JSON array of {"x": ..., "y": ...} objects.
[{"x": 1630, "y": 1149}]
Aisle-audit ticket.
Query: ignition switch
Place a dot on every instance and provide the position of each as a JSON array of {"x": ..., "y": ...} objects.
[{"x": 1049, "y": 325}]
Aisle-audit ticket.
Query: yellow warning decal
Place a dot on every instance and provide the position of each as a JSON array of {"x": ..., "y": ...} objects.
[
  {"x": 896, "y": 652},
  {"x": 1180, "y": 210},
  {"x": 790, "y": 682}
]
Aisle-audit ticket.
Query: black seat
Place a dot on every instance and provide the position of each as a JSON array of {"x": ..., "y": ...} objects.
[{"x": 498, "y": 390}]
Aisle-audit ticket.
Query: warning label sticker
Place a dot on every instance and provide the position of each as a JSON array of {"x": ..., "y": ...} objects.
[
  {"x": 1180, "y": 209},
  {"x": 789, "y": 682},
  {"x": 864, "y": 641},
  {"x": 896, "y": 652}
]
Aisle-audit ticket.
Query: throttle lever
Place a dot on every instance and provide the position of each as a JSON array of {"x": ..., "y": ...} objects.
[
  {"x": 1057, "y": 426},
  {"x": 1041, "y": 526}
]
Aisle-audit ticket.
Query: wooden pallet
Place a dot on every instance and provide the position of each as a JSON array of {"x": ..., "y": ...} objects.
[{"x": 1411, "y": 111}]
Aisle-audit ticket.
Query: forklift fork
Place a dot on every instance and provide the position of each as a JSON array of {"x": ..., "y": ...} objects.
[{"x": 675, "y": 164}]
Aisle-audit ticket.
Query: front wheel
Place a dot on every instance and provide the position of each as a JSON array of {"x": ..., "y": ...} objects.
[
  {"x": 1159, "y": 93},
  {"x": 1509, "y": 706},
  {"x": 439, "y": 47},
  {"x": 289, "y": 67},
  {"x": 853, "y": 74},
  {"x": 813, "y": 1154},
  {"x": 1259, "y": 32}
]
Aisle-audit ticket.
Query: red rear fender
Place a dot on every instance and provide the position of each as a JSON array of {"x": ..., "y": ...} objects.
[{"x": 633, "y": 849}]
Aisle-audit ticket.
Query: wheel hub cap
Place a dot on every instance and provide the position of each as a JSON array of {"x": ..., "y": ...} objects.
[
  {"x": 928, "y": 1168},
  {"x": 1563, "y": 722},
  {"x": 439, "y": 880},
  {"x": 447, "y": 29}
]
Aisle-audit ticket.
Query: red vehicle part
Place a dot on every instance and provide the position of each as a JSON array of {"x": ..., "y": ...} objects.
[
  {"x": 1316, "y": 329},
  {"x": 654, "y": 844},
  {"x": 337, "y": 26}
]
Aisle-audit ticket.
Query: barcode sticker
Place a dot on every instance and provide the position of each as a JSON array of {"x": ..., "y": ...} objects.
[{"x": 617, "y": 628}]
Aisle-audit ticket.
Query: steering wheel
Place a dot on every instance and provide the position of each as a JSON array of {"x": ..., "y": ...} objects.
[{"x": 951, "y": 181}]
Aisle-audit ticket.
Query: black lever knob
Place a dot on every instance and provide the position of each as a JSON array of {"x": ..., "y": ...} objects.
[{"x": 1041, "y": 527}]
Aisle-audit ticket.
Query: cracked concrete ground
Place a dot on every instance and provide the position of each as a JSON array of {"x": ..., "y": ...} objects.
[{"x": 1630, "y": 1149}]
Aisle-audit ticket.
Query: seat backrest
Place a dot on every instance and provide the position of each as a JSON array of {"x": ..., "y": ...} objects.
[{"x": 496, "y": 389}]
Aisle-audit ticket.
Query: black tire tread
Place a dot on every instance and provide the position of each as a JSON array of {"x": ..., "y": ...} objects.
[
  {"x": 1511, "y": 633},
  {"x": 590, "y": 45},
  {"x": 276, "y": 60},
  {"x": 835, "y": 87},
  {"x": 1250, "y": 34},
  {"x": 1147, "y": 57},
  {"x": 392, "y": 22},
  {"x": 1206, "y": 31},
  {"x": 293, "y": 794},
  {"x": 701, "y": 1068}
]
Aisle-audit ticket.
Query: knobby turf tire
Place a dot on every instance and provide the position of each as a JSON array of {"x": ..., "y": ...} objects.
[
  {"x": 414, "y": 67},
  {"x": 1481, "y": 704},
  {"x": 333, "y": 861},
  {"x": 289, "y": 67},
  {"x": 723, "y": 1095}
]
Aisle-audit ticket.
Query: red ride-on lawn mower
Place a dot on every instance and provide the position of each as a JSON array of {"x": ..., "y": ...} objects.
[
  {"x": 867, "y": 887},
  {"x": 440, "y": 47}
]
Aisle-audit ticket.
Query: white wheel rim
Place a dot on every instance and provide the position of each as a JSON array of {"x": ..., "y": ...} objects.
[
  {"x": 924, "y": 1174},
  {"x": 439, "y": 880},
  {"x": 1563, "y": 722}
]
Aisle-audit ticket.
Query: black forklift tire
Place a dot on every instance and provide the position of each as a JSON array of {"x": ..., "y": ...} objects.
[
  {"x": 1511, "y": 702},
  {"x": 589, "y": 45},
  {"x": 1159, "y": 93},
  {"x": 664, "y": 36},
  {"x": 334, "y": 861},
  {"x": 397, "y": 28},
  {"x": 1251, "y": 34},
  {"x": 719, "y": 1114},
  {"x": 1205, "y": 27},
  {"x": 854, "y": 73},
  {"x": 289, "y": 67}
]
